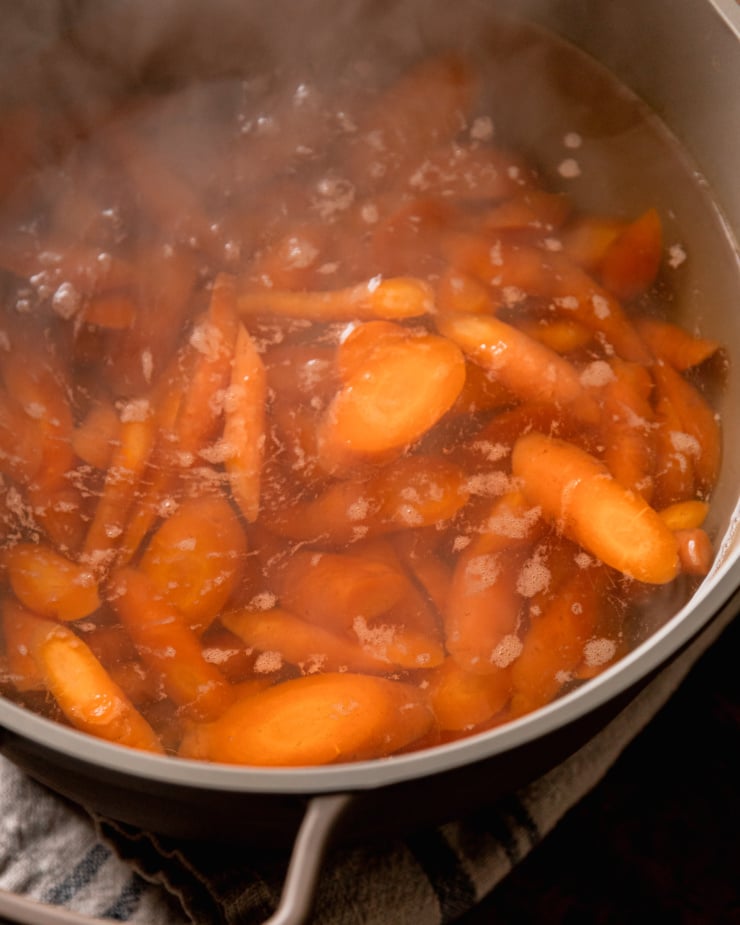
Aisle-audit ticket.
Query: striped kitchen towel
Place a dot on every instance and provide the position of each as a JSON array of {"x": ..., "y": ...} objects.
[{"x": 56, "y": 853}]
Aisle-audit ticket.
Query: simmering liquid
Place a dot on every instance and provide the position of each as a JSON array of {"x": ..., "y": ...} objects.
[{"x": 348, "y": 414}]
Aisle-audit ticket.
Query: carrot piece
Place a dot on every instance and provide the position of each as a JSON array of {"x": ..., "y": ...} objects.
[
  {"x": 483, "y": 611},
  {"x": 627, "y": 431},
  {"x": 456, "y": 291},
  {"x": 698, "y": 421},
  {"x": 674, "y": 456},
  {"x": 394, "y": 298},
  {"x": 195, "y": 557},
  {"x": 299, "y": 642},
  {"x": 527, "y": 368},
  {"x": 587, "y": 238},
  {"x": 85, "y": 692},
  {"x": 631, "y": 262},
  {"x": 563, "y": 335},
  {"x": 316, "y": 720},
  {"x": 685, "y": 515},
  {"x": 244, "y": 425},
  {"x": 462, "y": 700},
  {"x": 413, "y": 492},
  {"x": 212, "y": 339},
  {"x": 333, "y": 589},
  {"x": 168, "y": 646},
  {"x": 94, "y": 440},
  {"x": 403, "y": 386},
  {"x": 695, "y": 551},
  {"x": 553, "y": 646},
  {"x": 577, "y": 493},
  {"x": 136, "y": 440},
  {"x": 675, "y": 345},
  {"x": 50, "y": 584},
  {"x": 18, "y": 628},
  {"x": 519, "y": 270},
  {"x": 528, "y": 208},
  {"x": 422, "y": 561}
]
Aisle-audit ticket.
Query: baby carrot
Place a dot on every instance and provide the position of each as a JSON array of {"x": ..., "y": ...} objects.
[
  {"x": 675, "y": 345},
  {"x": 399, "y": 390},
  {"x": 315, "y": 720},
  {"x": 85, "y": 692},
  {"x": 167, "y": 645},
  {"x": 18, "y": 629},
  {"x": 526, "y": 367},
  {"x": 50, "y": 584},
  {"x": 577, "y": 493},
  {"x": 685, "y": 515},
  {"x": 695, "y": 551},
  {"x": 298, "y": 642},
  {"x": 462, "y": 700},
  {"x": 244, "y": 425},
  {"x": 631, "y": 261},
  {"x": 394, "y": 298},
  {"x": 195, "y": 558}
]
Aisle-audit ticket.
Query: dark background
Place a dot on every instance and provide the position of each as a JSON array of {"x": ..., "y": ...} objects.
[{"x": 658, "y": 840}]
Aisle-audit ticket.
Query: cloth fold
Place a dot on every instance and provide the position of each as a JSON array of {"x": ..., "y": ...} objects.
[{"x": 58, "y": 853}]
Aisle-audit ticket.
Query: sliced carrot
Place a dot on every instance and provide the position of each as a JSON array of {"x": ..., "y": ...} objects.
[
  {"x": 85, "y": 692},
  {"x": 333, "y": 589},
  {"x": 195, "y": 558},
  {"x": 685, "y": 515},
  {"x": 244, "y": 425},
  {"x": 50, "y": 584},
  {"x": 524, "y": 366},
  {"x": 316, "y": 720},
  {"x": 699, "y": 421},
  {"x": 631, "y": 261},
  {"x": 462, "y": 700},
  {"x": 553, "y": 646},
  {"x": 136, "y": 439},
  {"x": 300, "y": 642},
  {"x": 403, "y": 386},
  {"x": 18, "y": 631},
  {"x": 168, "y": 646},
  {"x": 577, "y": 493},
  {"x": 212, "y": 340},
  {"x": 587, "y": 238},
  {"x": 394, "y": 298},
  {"x": 94, "y": 440}
]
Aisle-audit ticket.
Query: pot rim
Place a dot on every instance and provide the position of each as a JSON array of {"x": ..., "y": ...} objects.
[{"x": 711, "y": 596}]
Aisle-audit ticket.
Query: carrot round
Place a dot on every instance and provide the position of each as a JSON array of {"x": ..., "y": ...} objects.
[
  {"x": 577, "y": 492},
  {"x": 315, "y": 720}
]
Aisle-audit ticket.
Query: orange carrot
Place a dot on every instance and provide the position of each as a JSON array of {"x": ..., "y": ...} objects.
[
  {"x": 167, "y": 645},
  {"x": 403, "y": 386},
  {"x": 94, "y": 440},
  {"x": 244, "y": 425},
  {"x": 462, "y": 700},
  {"x": 525, "y": 367},
  {"x": 553, "y": 645},
  {"x": 698, "y": 420},
  {"x": 675, "y": 345},
  {"x": 85, "y": 692},
  {"x": 18, "y": 631},
  {"x": 195, "y": 558},
  {"x": 577, "y": 493},
  {"x": 299, "y": 642},
  {"x": 528, "y": 208},
  {"x": 587, "y": 238},
  {"x": 50, "y": 584},
  {"x": 563, "y": 335},
  {"x": 136, "y": 439},
  {"x": 631, "y": 261},
  {"x": 316, "y": 720},
  {"x": 684, "y": 515},
  {"x": 393, "y": 298}
]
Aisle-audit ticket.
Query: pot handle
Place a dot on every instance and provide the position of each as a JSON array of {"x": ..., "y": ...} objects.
[{"x": 309, "y": 848}]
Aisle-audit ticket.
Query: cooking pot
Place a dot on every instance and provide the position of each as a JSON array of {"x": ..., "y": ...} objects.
[{"x": 684, "y": 63}]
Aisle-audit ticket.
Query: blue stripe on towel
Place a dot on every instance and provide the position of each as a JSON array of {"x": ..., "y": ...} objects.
[
  {"x": 122, "y": 909},
  {"x": 82, "y": 874},
  {"x": 453, "y": 887}
]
